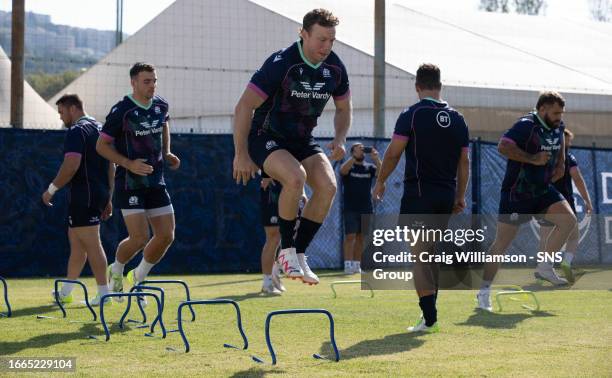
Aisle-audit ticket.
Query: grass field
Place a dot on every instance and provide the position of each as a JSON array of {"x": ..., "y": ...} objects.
[{"x": 570, "y": 336}]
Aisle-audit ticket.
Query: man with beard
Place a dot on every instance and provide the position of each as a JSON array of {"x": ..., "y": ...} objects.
[
  {"x": 357, "y": 178},
  {"x": 534, "y": 147},
  {"x": 89, "y": 178}
]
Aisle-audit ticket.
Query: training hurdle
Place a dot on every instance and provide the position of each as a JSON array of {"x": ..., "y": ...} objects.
[
  {"x": 61, "y": 305},
  {"x": 8, "y": 312},
  {"x": 299, "y": 311},
  {"x": 353, "y": 282},
  {"x": 513, "y": 294},
  {"x": 139, "y": 289},
  {"x": 190, "y": 304},
  {"x": 175, "y": 282},
  {"x": 129, "y": 296}
]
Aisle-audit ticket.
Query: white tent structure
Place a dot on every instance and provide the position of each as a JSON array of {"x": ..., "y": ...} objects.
[
  {"x": 37, "y": 113},
  {"x": 493, "y": 65}
]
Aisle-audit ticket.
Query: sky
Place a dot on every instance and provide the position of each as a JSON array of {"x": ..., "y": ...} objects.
[{"x": 100, "y": 14}]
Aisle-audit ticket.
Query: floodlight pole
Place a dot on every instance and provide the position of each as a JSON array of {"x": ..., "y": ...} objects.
[
  {"x": 119, "y": 24},
  {"x": 379, "y": 68},
  {"x": 17, "y": 63}
]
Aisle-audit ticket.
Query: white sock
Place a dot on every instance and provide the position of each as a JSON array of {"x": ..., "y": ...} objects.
[
  {"x": 348, "y": 264},
  {"x": 66, "y": 289},
  {"x": 485, "y": 287},
  {"x": 568, "y": 258},
  {"x": 142, "y": 270},
  {"x": 102, "y": 290},
  {"x": 301, "y": 259},
  {"x": 117, "y": 268},
  {"x": 267, "y": 279}
]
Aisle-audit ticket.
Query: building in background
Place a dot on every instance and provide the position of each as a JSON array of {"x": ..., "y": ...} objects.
[{"x": 492, "y": 64}]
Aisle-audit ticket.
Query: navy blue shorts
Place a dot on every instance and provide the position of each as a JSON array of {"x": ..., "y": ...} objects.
[
  {"x": 352, "y": 222},
  {"x": 84, "y": 216},
  {"x": 436, "y": 202},
  {"x": 519, "y": 212},
  {"x": 261, "y": 145},
  {"x": 145, "y": 199},
  {"x": 269, "y": 210}
]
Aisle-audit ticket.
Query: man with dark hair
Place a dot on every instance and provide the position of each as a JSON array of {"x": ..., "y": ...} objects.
[
  {"x": 280, "y": 107},
  {"x": 436, "y": 175},
  {"x": 357, "y": 178},
  {"x": 564, "y": 186},
  {"x": 534, "y": 147},
  {"x": 136, "y": 137},
  {"x": 90, "y": 181}
]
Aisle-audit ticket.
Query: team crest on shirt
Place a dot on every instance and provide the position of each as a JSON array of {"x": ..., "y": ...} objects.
[
  {"x": 443, "y": 119},
  {"x": 270, "y": 145},
  {"x": 157, "y": 110},
  {"x": 301, "y": 71},
  {"x": 326, "y": 72},
  {"x": 133, "y": 201},
  {"x": 274, "y": 220}
]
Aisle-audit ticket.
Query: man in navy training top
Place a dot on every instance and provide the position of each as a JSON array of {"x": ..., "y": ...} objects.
[
  {"x": 436, "y": 175},
  {"x": 565, "y": 187},
  {"x": 274, "y": 120},
  {"x": 357, "y": 178},
  {"x": 534, "y": 147},
  {"x": 90, "y": 181},
  {"x": 136, "y": 137}
]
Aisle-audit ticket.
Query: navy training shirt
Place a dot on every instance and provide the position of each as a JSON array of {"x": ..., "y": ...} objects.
[
  {"x": 136, "y": 131},
  {"x": 436, "y": 134},
  {"x": 89, "y": 186},
  {"x": 295, "y": 92},
  {"x": 357, "y": 188},
  {"x": 524, "y": 181}
]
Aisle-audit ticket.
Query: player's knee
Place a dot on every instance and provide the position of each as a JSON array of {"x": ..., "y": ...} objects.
[
  {"x": 296, "y": 181},
  {"x": 139, "y": 240},
  {"x": 166, "y": 237},
  {"x": 328, "y": 190},
  {"x": 571, "y": 222}
]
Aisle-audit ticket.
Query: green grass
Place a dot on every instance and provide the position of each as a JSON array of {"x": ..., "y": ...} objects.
[{"x": 570, "y": 336}]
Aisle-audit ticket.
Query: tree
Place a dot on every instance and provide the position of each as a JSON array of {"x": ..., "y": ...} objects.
[
  {"x": 530, "y": 7},
  {"x": 47, "y": 85},
  {"x": 601, "y": 10},
  {"x": 494, "y": 6}
]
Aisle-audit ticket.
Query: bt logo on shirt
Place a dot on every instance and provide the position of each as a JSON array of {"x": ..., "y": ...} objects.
[{"x": 443, "y": 119}]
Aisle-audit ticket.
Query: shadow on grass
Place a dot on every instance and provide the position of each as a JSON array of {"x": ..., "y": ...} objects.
[
  {"x": 49, "y": 339},
  {"x": 498, "y": 320},
  {"x": 255, "y": 372},
  {"x": 224, "y": 283},
  {"x": 29, "y": 311},
  {"x": 238, "y": 298},
  {"x": 390, "y": 344}
]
